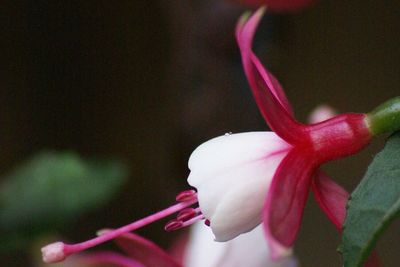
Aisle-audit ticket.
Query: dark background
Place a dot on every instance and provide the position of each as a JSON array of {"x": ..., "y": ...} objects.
[{"x": 148, "y": 81}]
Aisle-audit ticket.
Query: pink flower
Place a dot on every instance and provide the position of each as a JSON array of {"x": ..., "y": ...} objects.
[
  {"x": 249, "y": 178},
  {"x": 280, "y": 5},
  {"x": 310, "y": 146},
  {"x": 197, "y": 250},
  {"x": 232, "y": 174}
]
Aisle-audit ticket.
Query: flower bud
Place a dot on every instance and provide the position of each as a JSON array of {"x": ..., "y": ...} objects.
[{"x": 385, "y": 118}]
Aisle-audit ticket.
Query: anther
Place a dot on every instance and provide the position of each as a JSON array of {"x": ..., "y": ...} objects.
[
  {"x": 186, "y": 195},
  {"x": 192, "y": 220},
  {"x": 207, "y": 222},
  {"x": 173, "y": 225},
  {"x": 186, "y": 214}
]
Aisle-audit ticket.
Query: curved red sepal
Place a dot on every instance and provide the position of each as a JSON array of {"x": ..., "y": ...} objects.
[
  {"x": 332, "y": 199},
  {"x": 284, "y": 206},
  {"x": 268, "y": 93},
  {"x": 145, "y": 251}
]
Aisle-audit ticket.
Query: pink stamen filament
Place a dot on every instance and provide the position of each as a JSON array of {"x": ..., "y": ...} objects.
[{"x": 74, "y": 248}]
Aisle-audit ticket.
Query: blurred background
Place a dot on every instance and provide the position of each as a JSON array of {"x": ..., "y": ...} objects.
[{"x": 145, "y": 82}]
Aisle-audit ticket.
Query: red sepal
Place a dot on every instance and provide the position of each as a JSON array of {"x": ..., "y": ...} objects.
[
  {"x": 267, "y": 92},
  {"x": 284, "y": 206}
]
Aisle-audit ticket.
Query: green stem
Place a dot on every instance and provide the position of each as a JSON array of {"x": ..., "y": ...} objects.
[{"x": 386, "y": 117}]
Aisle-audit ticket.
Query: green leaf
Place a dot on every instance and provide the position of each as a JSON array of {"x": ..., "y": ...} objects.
[
  {"x": 52, "y": 189},
  {"x": 373, "y": 205}
]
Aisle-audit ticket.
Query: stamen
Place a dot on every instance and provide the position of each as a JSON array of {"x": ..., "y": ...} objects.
[
  {"x": 173, "y": 225},
  {"x": 178, "y": 224},
  {"x": 59, "y": 251},
  {"x": 193, "y": 220},
  {"x": 186, "y": 195},
  {"x": 207, "y": 222},
  {"x": 186, "y": 214}
]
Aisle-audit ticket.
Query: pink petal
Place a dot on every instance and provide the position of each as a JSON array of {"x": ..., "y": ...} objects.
[
  {"x": 267, "y": 91},
  {"x": 331, "y": 197},
  {"x": 108, "y": 257},
  {"x": 284, "y": 206},
  {"x": 145, "y": 251}
]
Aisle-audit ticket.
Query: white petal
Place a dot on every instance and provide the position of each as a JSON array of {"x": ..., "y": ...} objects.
[
  {"x": 202, "y": 250},
  {"x": 249, "y": 249},
  {"x": 232, "y": 175},
  {"x": 225, "y": 151}
]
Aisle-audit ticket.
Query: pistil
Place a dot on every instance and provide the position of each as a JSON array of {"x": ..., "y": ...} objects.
[{"x": 58, "y": 251}]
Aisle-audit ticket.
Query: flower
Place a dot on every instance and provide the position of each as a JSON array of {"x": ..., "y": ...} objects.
[
  {"x": 198, "y": 250},
  {"x": 235, "y": 165},
  {"x": 248, "y": 178},
  {"x": 279, "y": 5},
  {"x": 310, "y": 146},
  {"x": 232, "y": 174}
]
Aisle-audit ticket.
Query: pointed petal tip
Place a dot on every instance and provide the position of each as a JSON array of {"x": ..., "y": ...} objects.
[
  {"x": 247, "y": 15},
  {"x": 261, "y": 11},
  {"x": 243, "y": 18}
]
